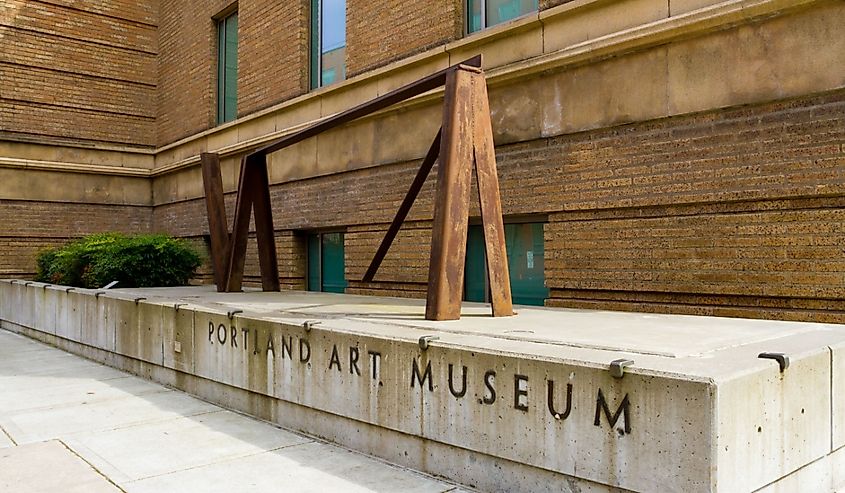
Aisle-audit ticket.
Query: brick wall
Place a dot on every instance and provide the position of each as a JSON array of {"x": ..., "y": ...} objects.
[
  {"x": 736, "y": 211},
  {"x": 273, "y": 52},
  {"x": 30, "y": 226},
  {"x": 272, "y": 60},
  {"x": 381, "y": 31},
  {"x": 80, "y": 70}
]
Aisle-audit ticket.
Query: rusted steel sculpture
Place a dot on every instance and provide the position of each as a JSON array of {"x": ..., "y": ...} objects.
[{"x": 464, "y": 140}]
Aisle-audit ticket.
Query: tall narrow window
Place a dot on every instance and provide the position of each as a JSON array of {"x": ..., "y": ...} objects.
[
  {"x": 227, "y": 68},
  {"x": 482, "y": 14},
  {"x": 326, "y": 264},
  {"x": 328, "y": 42}
]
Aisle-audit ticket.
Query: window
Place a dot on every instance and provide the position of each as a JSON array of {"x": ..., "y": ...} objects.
[
  {"x": 227, "y": 68},
  {"x": 326, "y": 267},
  {"x": 524, "y": 244},
  {"x": 482, "y": 14},
  {"x": 328, "y": 42}
]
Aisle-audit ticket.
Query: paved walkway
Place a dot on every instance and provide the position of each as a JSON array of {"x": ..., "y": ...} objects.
[{"x": 71, "y": 425}]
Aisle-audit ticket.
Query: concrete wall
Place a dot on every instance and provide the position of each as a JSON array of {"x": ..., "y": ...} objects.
[{"x": 695, "y": 414}]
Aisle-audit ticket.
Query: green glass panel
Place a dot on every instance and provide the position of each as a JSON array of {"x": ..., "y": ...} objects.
[
  {"x": 475, "y": 283},
  {"x": 499, "y": 11},
  {"x": 314, "y": 283},
  {"x": 474, "y": 19},
  {"x": 333, "y": 263},
  {"x": 526, "y": 263},
  {"x": 227, "y": 69},
  {"x": 231, "y": 85},
  {"x": 221, "y": 68}
]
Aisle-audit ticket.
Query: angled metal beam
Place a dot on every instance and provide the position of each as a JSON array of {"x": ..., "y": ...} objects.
[
  {"x": 396, "y": 96},
  {"x": 240, "y": 228},
  {"x": 490, "y": 201},
  {"x": 217, "y": 224},
  {"x": 451, "y": 209},
  {"x": 405, "y": 207},
  {"x": 264, "y": 231}
]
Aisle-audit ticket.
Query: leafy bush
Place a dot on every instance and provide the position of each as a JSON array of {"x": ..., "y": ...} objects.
[{"x": 133, "y": 261}]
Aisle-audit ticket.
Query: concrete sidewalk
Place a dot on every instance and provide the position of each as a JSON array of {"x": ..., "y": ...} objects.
[{"x": 71, "y": 425}]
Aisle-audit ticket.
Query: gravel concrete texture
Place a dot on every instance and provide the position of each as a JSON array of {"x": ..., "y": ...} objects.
[{"x": 68, "y": 424}]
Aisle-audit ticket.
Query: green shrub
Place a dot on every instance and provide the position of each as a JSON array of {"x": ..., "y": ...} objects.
[{"x": 133, "y": 261}]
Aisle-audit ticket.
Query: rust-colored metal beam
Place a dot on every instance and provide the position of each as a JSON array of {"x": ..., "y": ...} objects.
[
  {"x": 217, "y": 224},
  {"x": 490, "y": 201},
  {"x": 421, "y": 86},
  {"x": 465, "y": 140},
  {"x": 253, "y": 193},
  {"x": 240, "y": 229},
  {"x": 405, "y": 207},
  {"x": 264, "y": 231},
  {"x": 451, "y": 211}
]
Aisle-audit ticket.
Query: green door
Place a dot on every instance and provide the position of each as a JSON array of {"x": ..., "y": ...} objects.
[
  {"x": 314, "y": 281},
  {"x": 525, "y": 263},
  {"x": 524, "y": 243},
  {"x": 333, "y": 272},
  {"x": 475, "y": 283},
  {"x": 326, "y": 268}
]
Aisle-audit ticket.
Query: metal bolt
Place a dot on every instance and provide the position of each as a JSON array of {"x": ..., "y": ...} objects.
[
  {"x": 617, "y": 367},
  {"x": 424, "y": 340}
]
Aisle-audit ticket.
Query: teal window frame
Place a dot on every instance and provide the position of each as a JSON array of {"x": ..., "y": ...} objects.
[
  {"x": 227, "y": 68},
  {"x": 479, "y": 23},
  {"x": 317, "y": 261},
  {"x": 320, "y": 76}
]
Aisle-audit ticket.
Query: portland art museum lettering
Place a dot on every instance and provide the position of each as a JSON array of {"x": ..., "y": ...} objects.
[{"x": 485, "y": 386}]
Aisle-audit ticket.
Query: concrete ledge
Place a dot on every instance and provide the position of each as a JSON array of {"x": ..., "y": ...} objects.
[{"x": 520, "y": 404}]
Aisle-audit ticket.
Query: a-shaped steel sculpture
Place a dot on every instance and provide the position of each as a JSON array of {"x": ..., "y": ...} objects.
[{"x": 464, "y": 140}]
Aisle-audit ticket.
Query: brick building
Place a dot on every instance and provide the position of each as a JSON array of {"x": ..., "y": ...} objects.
[{"x": 683, "y": 156}]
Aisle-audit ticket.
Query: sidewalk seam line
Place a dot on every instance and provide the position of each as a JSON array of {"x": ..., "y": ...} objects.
[
  {"x": 92, "y": 466},
  {"x": 8, "y": 436}
]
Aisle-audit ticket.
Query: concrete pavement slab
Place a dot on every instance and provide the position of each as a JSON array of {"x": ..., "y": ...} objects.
[
  {"x": 37, "y": 396},
  {"x": 122, "y": 433},
  {"x": 81, "y": 417},
  {"x": 49, "y": 467},
  {"x": 185, "y": 443},
  {"x": 308, "y": 468}
]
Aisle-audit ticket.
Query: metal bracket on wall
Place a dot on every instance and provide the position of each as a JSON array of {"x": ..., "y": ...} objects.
[
  {"x": 782, "y": 359},
  {"x": 464, "y": 142}
]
